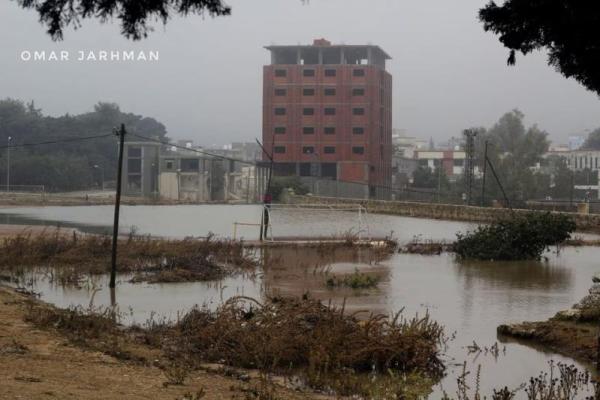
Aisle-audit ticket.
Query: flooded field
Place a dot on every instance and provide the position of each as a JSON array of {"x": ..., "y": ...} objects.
[
  {"x": 190, "y": 220},
  {"x": 470, "y": 299}
]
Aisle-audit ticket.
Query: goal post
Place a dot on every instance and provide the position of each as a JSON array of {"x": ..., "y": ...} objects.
[{"x": 292, "y": 222}]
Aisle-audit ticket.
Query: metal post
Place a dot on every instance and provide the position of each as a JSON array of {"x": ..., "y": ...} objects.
[
  {"x": 572, "y": 186},
  {"x": 485, "y": 155},
  {"x": 113, "y": 265},
  {"x": 8, "y": 165}
]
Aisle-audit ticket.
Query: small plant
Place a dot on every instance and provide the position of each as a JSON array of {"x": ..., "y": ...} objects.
[
  {"x": 176, "y": 373},
  {"x": 356, "y": 280},
  {"x": 520, "y": 237}
]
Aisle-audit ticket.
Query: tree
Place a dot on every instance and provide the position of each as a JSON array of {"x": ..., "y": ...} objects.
[
  {"x": 514, "y": 151},
  {"x": 66, "y": 165},
  {"x": 56, "y": 15},
  {"x": 593, "y": 140},
  {"x": 424, "y": 177},
  {"x": 567, "y": 29}
]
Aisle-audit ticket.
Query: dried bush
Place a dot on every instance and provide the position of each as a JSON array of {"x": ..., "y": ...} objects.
[
  {"x": 520, "y": 237},
  {"x": 150, "y": 259},
  {"x": 284, "y": 334}
]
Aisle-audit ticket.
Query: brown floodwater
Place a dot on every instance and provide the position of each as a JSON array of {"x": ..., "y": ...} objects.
[{"x": 470, "y": 298}]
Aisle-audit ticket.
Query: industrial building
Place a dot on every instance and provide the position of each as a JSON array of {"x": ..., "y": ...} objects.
[
  {"x": 168, "y": 173},
  {"x": 327, "y": 116}
]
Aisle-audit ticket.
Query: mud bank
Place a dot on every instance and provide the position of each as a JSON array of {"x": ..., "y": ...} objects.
[{"x": 42, "y": 363}]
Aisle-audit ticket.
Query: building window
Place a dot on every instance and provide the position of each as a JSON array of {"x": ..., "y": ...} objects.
[
  {"x": 308, "y": 150},
  {"x": 308, "y": 92},
  {"x": 308, "y": 72},
  {"x": 329, "y": 111},
  {"x": 279, "y": 149},
  {"x": 134, "y": 152},
  {"x": 190, "y": 165},
  {"x": 134, "y": 166},
  {"x": 358, "y": 130},
  {"x": 280, "y": 130},
  {"x": 458, "y": 162},
  {"x": 280, "y": 92},
  {"x": 329, "y": 130},
  {"x": 358, "y": 150},
  {"x": 329, "y": 92},
  {"x": 308, "y": 111},
  {"x": 308, "y": 130},
  {"x": 280, "y": 73},
  {"x": 280, "y": 111},
  {"x": 358, "y": 111},
  {"x": 330, "y": 72},
  {"x": 329, "y": 150},
  {"x": 358, "y": 72},
  {"x": 169, "y": 164},
  {"x": 358, "y": 92}
]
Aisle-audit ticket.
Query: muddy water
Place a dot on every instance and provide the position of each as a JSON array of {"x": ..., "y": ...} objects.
[
  {"x": 471, "y": 299},
  {"x": 198, "y": 220}
]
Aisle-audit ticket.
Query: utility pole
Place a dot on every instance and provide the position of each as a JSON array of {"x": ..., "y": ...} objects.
[
  {"x": 264, "y": 226},
  {"x": 8, "y": 164},
  {"x": 469, "y": 163},
  {"x": 113, "y": 266},
  {"x": 485, "y": 156}
]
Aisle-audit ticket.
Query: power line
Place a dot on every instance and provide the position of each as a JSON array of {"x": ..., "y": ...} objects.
[
  {"x": 12, "y": 146},
  {"x": 196, "y": 150}
]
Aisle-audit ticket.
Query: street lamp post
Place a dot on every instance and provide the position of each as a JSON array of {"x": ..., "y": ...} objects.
[{"x": 8, "y": 164}]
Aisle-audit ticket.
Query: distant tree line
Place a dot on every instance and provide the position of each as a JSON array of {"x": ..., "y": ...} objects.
[
  {"x": 66, "y": 166},
  {"x": 519, "y": 157}
]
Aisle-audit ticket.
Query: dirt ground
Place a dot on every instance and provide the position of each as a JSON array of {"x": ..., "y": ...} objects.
[
  {"x": 41, "y": 364},
  {"x": 577, "y": 340}
]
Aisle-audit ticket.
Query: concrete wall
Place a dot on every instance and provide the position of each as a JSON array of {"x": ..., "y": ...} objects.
[{"x": 585, "y": 222}]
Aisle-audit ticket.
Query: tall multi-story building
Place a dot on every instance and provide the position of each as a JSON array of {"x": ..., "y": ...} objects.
[{"x": 327, "y": 114}]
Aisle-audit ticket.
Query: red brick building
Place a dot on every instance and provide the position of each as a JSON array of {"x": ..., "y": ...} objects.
[{"x": 327, "y": 113}]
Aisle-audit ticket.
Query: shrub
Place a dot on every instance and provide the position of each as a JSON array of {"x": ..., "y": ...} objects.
[
  {"x": 278, "y": 184},
  {"x": 521, "y": 237}
]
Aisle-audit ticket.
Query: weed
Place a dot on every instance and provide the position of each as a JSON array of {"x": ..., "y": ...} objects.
[
  {"x": 356, "y": 280},
  {"x": 176, "y": 373}
]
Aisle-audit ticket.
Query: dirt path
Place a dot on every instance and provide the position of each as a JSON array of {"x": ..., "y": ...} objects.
[{"x": 40, "y": 364}]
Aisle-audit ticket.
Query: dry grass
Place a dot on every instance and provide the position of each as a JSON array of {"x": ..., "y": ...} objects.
[
  {"x": 149, "y": 259},
  {"x": 302, "y": 336}
]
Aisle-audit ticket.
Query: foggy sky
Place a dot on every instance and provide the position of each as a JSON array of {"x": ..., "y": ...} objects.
[{"x": 448, "y": 73}]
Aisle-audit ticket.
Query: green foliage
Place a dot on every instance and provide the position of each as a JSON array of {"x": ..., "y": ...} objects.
[
  {"x": 133, "y": 15},
  {"x": 65, "y": 166},
  {"x": 424, "y": 177},
  {"x": 357, "y": 280},
  {"x": 593, "y": 140},
  {"x": 513, "y": 150},
  {"x": 279, "y": 183},
  {"x": 565, "y": 29},
  {"x": 520, "y": 237}
]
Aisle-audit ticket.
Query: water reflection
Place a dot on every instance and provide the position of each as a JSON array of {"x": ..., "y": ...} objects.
[{"x": 545, "y": 275}]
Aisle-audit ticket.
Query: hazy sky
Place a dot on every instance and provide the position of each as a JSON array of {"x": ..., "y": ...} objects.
[{"x": 448, "y": 73}]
